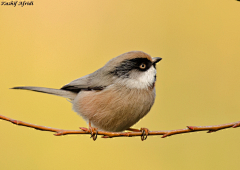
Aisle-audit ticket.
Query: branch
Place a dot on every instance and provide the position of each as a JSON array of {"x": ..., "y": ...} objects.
[{"x": 104, "y": 134}]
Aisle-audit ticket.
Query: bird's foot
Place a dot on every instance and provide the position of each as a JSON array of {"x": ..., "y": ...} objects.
[
  {"x": 144, "y": 135},
  {"x": 144, "y": 131},
  {"x": 93, "y": 131}
]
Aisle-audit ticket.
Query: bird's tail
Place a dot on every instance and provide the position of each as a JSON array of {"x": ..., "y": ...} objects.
[{"x": 57, "y": 92}]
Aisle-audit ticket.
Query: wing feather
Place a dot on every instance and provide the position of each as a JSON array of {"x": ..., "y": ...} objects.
[{"x": 95, "y": 81}]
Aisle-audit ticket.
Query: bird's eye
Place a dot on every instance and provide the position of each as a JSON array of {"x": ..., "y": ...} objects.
[{"x": 142, "y": 66}]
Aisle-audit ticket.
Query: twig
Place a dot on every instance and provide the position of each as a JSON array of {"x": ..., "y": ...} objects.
[{"x": 104, "y": 134}]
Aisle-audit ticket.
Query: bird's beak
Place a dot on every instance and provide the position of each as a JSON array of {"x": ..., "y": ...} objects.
[{"x": 156, "y": 60}]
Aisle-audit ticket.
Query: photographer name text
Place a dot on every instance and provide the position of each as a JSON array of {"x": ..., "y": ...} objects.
[{"x": 16, "y": 3}]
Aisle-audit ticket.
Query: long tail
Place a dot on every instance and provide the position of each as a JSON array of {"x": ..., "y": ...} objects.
[{"x": 57, "y": 92}]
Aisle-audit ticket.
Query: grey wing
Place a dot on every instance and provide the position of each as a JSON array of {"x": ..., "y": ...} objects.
[
  {"x": 94, "y": 81},
  {"x": 78, "y": 84}
]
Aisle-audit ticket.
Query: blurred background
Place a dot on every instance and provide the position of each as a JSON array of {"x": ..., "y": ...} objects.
[{"x": 54, "y": 42}]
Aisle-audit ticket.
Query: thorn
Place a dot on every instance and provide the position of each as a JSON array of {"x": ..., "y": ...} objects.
[
  {"x": 165, "y": 135},
  {"x": 191, "y": 127},
  {"x": 236, "y": 125},
  {"x": 126, "y": 134},
  {"x": 59, "y": 133},
  {"x": 210, "y": 131},
  {"x": 83, "y": 128},
  {"x": 105, "y": 136},
  {"x": 14, "y": 121}
]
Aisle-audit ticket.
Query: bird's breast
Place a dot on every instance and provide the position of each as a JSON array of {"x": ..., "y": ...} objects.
[{"x": 114, "y": 108}]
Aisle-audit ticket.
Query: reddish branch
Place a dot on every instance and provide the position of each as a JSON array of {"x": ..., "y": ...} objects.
[{"x": 104, "y": 134}]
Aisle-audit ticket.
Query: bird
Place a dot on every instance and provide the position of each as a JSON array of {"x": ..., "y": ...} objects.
[{"x": 114, "y": 97}]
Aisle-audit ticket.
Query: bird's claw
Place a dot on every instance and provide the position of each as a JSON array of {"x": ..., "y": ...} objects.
[
  {"x": 145, "y": 133},
  {"x": 94, "y": 132}
]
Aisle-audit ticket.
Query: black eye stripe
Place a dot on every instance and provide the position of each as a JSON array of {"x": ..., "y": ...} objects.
[
  {"x": 127, "y": 65},
  {"x": 137, "y": 62}
]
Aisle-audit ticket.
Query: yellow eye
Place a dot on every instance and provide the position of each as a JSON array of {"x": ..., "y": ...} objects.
[{"x": 142, "y": 66}]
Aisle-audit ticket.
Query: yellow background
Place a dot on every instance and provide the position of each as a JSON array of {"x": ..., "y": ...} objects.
[{"x": 54, "y": 42}]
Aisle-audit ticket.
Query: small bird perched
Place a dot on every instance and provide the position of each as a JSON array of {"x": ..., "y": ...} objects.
[{"x": 114, "y": 97}]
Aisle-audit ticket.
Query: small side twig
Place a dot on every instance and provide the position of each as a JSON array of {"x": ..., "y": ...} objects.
[{"x": 104, "y": 134}]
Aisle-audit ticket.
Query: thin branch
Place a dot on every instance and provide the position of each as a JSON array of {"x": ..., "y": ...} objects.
[{"x": 104, "y": 134}]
